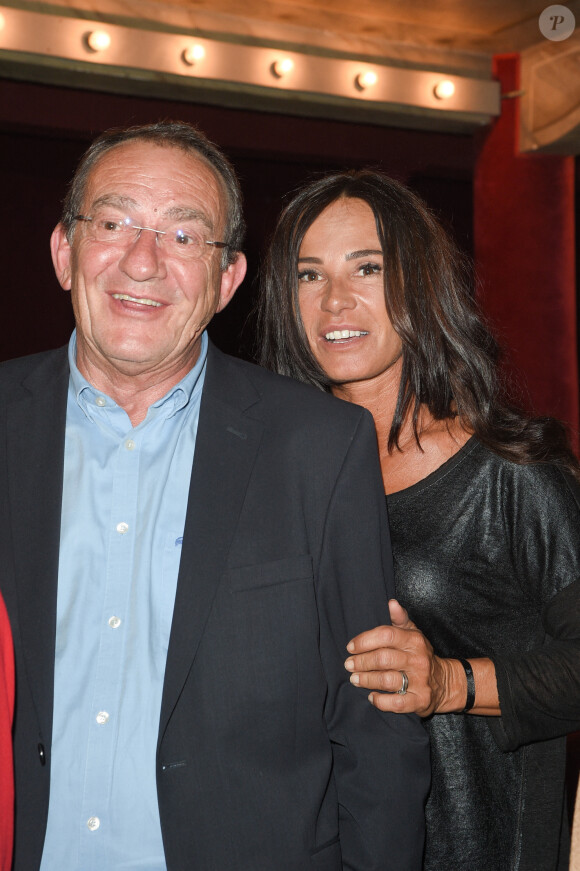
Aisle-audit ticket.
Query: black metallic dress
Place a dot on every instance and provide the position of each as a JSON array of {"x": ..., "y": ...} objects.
[{"x": 487, "y": 561}]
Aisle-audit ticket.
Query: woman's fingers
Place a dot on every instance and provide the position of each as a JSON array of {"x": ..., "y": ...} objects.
[
  {"x": 381, "y": 656},
  {"x": 399, "y": 616}
]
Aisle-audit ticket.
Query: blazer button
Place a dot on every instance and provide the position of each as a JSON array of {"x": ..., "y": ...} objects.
[{"x": 41, "y": 754}]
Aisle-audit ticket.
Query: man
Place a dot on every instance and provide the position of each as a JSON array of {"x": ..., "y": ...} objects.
[{"x": 189, "y": 544}]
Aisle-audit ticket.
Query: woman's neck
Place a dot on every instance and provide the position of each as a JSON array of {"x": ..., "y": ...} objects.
[
  {"x": 410, "y": 462},
  {"x": 378, "y": 395}
]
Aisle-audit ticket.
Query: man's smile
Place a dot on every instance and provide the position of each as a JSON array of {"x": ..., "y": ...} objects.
[{"x": 140, "y": 300}]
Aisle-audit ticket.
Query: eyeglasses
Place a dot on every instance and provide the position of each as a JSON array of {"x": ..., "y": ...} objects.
[{"x": 183, "y": 240}]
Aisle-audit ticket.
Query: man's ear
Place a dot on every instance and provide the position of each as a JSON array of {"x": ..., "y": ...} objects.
[
  {"x": 61, "y": 256},
  {"x": 231, "y": 279}
]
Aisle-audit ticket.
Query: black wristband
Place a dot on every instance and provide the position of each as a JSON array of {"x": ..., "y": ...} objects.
[{"x": 470, "y": 700}]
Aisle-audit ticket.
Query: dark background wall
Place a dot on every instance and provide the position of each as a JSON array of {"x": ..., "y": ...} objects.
[{"x": 45, "y": 129}]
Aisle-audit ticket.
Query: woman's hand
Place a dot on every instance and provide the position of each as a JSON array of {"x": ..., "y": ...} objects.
[{"x": 380, "y": 655}]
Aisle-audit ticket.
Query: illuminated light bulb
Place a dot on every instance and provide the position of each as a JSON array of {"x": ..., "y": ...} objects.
[
  {"x": 281, "y": 68},
  {"x": 98, "y": 40},
  {"x": 366, "y": 80},
  {"x": 443, "y": 90},
  {"x": 192, "y": 54},
  {"x": 2, "y": 21}
]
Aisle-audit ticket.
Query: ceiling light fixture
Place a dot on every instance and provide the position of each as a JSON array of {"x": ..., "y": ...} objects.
[
  {"x": 98, "y": 40},
  {"x": 192, "y": 54},
  {"x": 366, "y": 80},
  {"x": 282, "y": 67},
  {"x": 443, "y": 90}
]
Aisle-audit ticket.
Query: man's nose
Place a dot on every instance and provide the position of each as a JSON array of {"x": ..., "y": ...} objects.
[{"x": 143, "y": 257}]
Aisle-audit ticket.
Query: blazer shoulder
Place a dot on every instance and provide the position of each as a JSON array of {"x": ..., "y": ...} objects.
[
  {"x": 45, "y": 366},
  {"x": 286, "y": 395}
]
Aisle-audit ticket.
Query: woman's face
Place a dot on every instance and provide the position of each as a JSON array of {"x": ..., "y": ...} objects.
[{"x": 341, "y": 294}]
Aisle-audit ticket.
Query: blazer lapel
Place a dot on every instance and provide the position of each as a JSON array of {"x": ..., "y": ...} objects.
[
  {"x": 226, "y": 447},
  {"x": 35, "y": 451}
]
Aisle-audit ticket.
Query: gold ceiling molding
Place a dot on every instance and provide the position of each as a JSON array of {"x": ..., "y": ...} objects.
[{"x": 191, "y": 66}]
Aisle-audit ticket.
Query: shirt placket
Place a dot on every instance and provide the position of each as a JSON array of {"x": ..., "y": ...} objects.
[{"x": 110, "y": 667}]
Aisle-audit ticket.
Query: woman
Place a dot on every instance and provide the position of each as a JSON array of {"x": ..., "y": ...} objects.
[
  {"x": 6, "y": 710},
  {"x": 364, "y": 294}
]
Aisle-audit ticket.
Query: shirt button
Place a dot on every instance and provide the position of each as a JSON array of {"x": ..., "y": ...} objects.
[
  {"x": 93, "y": 823},
  {"x": 130, "y": 445},
  {"x": 102, "y": 718},
  {"x": 114, "y": 622},
  {"x": 122, "y": 528},
  {"x": 101, "y": 401}
]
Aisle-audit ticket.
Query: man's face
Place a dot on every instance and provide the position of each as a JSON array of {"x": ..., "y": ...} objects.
[{"x": 140, "y": 308}]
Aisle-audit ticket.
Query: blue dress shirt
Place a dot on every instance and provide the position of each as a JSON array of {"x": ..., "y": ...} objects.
[{"x": 123, "y": 513}]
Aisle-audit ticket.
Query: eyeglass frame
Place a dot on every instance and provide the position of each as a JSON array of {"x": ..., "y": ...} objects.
[{"x": 89, "y": 218}]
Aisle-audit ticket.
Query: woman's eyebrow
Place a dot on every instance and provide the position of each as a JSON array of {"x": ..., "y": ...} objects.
[
  {"x": 309, "y": 260},
  {"x": 365, "y": 252}
]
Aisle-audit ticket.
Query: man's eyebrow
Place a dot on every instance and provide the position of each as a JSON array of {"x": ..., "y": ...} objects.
[
  {"x": 365, "y": 252},
  {"x": 185, "y": 213},
  {"x": 175, "y": 213},
  {"x": 119, "y": 202}
]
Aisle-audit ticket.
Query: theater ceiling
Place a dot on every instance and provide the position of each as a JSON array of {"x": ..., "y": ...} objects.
[{"x": 422, "y": 63}]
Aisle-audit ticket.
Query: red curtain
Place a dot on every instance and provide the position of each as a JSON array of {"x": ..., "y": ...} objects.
[{"x": 524, "y": 251}]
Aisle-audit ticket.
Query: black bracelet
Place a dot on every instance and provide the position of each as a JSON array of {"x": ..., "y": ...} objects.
[{"x": 470, "y": 701}]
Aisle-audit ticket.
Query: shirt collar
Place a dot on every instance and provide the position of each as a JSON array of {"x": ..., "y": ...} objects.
[{"x": 92, "y": 401}]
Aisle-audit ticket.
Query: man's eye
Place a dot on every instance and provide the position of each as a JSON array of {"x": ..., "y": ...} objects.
[
  {"x": 187, "y": 239},
  {"x": 110, "y": 226}
]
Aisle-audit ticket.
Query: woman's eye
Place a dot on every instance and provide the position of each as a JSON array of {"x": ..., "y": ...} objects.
[
  {"x": 370, "y": 269},
  {"x": 308, "y": 276}
]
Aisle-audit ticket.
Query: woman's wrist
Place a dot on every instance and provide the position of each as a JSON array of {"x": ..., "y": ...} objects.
[
  {"x": 456, "y": 693},
  {"x": 470, "y": 696},
  {"x": 452, "y": 681}
]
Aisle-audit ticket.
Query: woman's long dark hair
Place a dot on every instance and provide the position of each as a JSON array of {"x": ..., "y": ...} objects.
[{"x": 449, "y": 359}]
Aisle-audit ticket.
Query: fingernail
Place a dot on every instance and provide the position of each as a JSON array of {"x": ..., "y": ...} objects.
[
  {"x": 349, "y": 665},
  {"x": 371, "y": 697},
  {"x": 350, "y": 647},
  {"x": 355, "y": 679}
]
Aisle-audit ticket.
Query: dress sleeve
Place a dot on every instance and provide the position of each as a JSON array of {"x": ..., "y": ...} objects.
[{"x": 539, "y": 689}]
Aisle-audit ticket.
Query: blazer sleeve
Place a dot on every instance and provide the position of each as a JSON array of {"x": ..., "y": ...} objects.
[{"x": 381, "y": 760}]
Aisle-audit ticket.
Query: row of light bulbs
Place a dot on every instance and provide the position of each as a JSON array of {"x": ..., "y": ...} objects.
[{"x": 100, "y": 40}]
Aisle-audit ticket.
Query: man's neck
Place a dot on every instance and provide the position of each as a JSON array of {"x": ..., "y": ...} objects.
[{"x": 134, "y": 387}]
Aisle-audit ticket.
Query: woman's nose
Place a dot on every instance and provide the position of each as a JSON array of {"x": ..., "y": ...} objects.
[{"x": 338, "y": 296}]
